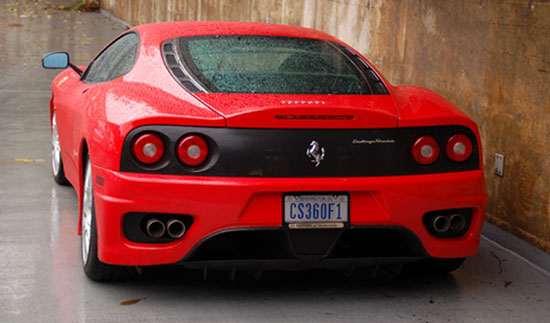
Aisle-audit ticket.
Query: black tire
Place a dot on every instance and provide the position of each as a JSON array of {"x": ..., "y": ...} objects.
[
  {"x": 58, "y": 170},
  {"x": 60, "y": 178},
  {"x": 93, "y": 267},
  {"x": 435, "y": 265}
]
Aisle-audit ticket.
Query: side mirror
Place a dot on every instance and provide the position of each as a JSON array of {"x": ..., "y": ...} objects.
[{"x": 58, "y": 60}]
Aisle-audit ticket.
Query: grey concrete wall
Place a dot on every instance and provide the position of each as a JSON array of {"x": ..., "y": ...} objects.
[{"x": 490, "y": 57}]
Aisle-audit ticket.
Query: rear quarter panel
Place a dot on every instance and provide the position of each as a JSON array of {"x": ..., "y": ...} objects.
[
  {"x": 418, "y": 107},
  {"x": 119, "y": 106}
]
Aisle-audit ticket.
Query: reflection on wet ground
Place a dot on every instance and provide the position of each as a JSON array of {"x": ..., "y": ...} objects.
[{"x": 40, "y": 275}]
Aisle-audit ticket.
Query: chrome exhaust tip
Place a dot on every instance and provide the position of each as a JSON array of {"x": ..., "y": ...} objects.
[
  {"x": 155, "y": 228},
  {"x": 441, "y": 224},
  {"x": 457, "y": 222},
  {"x": 175, "y": 228}
]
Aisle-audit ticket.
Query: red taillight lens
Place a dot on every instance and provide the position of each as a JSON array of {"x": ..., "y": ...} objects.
[
  {"x": 425, "y": 150},
  {"x": 459, "y": 148},
  {"x": 192, "y": 150},
  {"x": 148, "y": 148}
]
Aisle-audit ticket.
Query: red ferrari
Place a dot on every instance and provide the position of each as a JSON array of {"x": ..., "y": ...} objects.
[{"x": 244, "y": 146}]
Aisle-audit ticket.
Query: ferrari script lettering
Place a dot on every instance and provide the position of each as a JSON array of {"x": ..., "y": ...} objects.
[
  {"x": 372, "y": 141},
  {"x": 302, "y": 102}
]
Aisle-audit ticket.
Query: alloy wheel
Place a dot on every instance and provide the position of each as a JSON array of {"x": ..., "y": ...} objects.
[
  {"x": 56, "y": 148},
  {"x": 87, "y": 209}
]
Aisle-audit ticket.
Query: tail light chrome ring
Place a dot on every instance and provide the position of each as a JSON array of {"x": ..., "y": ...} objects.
[
  {"x": 148, "y": 148},
  {"x": 459, "y": 148},
  {"x": 193, "y": 150},
  {"x": 425, "y": 150}
]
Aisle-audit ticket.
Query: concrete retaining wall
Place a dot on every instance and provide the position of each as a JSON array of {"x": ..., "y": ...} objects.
[{"x": 490, "y": 57}]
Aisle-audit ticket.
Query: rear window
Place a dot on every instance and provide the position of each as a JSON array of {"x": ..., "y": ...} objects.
[{"x": 267, "y": 64}]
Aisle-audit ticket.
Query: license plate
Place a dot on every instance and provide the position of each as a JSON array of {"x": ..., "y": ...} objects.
[{"x": 316, "y": 211}]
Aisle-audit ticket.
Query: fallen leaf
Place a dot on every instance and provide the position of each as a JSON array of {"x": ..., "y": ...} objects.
[
  {"x": 15, "y": 25},
  {"x": 131, "y": 302},
  {"x": 23, "y": 160},
  {"x": 86, "y": 38}
]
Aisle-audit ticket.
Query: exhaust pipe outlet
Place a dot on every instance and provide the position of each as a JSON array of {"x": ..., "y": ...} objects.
[
  {"x": 441, "y": 224},
  {"x": 457, "y": 222},
  {"x": 175, "y": 228},
  {"x": 155, "y": 228}
]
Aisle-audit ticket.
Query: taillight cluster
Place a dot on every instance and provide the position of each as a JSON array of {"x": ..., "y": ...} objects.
[
  {"x": 192, "y": 150},
  {"x": 149, "y": 149},
  {"x": 459, "y": 148},
  {"x": 425, "y": 150}
]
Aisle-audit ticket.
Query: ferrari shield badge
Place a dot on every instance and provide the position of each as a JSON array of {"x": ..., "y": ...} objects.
[{"x": 315, "y": 152}]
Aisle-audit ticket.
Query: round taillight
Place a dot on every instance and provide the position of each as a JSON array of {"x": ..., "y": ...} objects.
[
  {"x": 425, "y": 150},
  {"x": 148, "y": 148},
  {"x": 459, "y": 148},
  {"x": 192, "y": 150}
]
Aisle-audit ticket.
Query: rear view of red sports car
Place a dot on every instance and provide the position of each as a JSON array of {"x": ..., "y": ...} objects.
[{"x": 242, "y": 146}]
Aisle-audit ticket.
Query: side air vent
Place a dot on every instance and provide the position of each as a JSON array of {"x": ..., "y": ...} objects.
[{"x": 177, "y": 68}]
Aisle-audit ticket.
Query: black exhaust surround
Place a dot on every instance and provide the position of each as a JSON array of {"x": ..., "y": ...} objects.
[
  {"x": 450, "y": 232},
  {"x": 134, "y": 226}
]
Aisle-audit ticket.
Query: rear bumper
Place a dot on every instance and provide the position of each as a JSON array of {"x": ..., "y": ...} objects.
[{"x": 222, "y": 204}]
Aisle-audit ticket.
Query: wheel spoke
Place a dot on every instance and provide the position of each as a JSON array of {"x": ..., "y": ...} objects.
[
  {"x": 56, "y": 150},
  {"x": 87, "y": 207}
]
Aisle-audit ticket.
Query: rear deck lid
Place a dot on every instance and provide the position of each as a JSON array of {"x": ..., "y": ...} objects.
[{"x": 303, "y": 111}]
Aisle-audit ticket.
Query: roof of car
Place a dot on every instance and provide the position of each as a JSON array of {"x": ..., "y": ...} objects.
[{"x": 167, "y": 30}]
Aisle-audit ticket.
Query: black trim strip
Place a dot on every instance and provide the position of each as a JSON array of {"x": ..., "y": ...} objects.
[{"x": 237, "y": 152}]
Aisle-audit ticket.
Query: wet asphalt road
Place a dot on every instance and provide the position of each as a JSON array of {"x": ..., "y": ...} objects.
[{"x": 40, "y": 275}]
